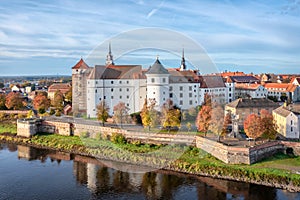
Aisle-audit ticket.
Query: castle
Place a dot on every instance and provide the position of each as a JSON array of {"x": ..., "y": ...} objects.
[{"x": 132, "y": 84}]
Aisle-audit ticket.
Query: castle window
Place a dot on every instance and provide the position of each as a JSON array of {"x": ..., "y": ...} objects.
[
  {"x": 164, "y": 93},
  {"x": 120, "y": 82},
  {"x": 96, "y": 82},
  {"x": 127, "y": 89},
  {"x": 112, "y": 97},
  {"x": 152, "y": 80},
  {"x": 153, "y": 92},
  {"x": 180, "y": 102},
  {"x": 120, "y": 97},
  {"x": 190, "y": 94},
  {"x": 180, "y": 88},
  {"x": 171, "y": 95},
  {"x": 180, "y": 95},
  {"x": 164, "y": 99},
  {"x": 112, "y": 82},
  {"x": 127, "y": 82},
  {"x": 127, "y": 104},
  {"x": 190, "y": 88},
  {"x": 170, "y": 88},
  {"x": 111, "y": 89},
  {"x": 120, "y": 89},
  {"x": 104, "y": 97},
  {"x": 191, "y": 102},
  {"x": 127, "y": 97},
  {"x": 96, "y": 91},
  {"x": 164, "y": 80}
]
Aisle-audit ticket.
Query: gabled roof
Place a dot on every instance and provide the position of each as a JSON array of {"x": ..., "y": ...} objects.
[
  {"x": 157, "y": 68},
  {"x": 297, "y": 80},
  {"x": 117, "y": 72},
  {"x": 282, "y": 111},
  {"x": 211, "y": 81},
  {"x": 252, "y": 103},
  {"x": 80, "y": 65},
  {"x": 227, "y": 74}
]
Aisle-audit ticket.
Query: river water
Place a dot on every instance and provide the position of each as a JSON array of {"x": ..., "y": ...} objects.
[{"x": 31, "y": 173}]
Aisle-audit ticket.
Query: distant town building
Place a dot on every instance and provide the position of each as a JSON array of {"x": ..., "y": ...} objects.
[
  {"x": 62, "y": 87},
  {"x": 283, "y": 91},
  {"x": 287, "y": 118},
  {"x": 246, "y": 90},
  {"x": 241, "y": 108}
]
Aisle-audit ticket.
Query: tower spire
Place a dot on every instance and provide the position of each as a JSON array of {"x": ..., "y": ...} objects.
[
  {"x": 109, "y": 57},
  {"x": 182, "y": 66}
]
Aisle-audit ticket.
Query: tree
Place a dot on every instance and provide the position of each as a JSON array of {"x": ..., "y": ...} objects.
[
  {"x": 14, "y": 101},
  {"x": 253, "y": 126},
  {"x": 41, "y": 102},
  {"x": 120, "y": 112},
  {"x": 170, "y": 115},
  {"x": 217, "y": 121},
  {"x": 268, "y": 124},
  {"x": 203, "y": 119},
  {"x": 1, "y": 85},
  {"x": 102, "y": 112},
  {"x": 58, "y": 100},
  {"x": 227, "y": 121},
  {"x": 2, "y": 102},
  {"x": 68, "y": 96},
  {"x": 149, "y": 114}
]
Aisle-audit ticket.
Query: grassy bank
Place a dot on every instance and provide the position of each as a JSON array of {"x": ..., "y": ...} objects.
[
  {"x": 8, "y": 127},
  {"x": 278, "y": 171}
]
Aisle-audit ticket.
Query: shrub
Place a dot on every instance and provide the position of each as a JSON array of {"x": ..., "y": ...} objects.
[
  {"x": 3, "y": 116},
  {"x": 41, "y": 110},
  {"x": 118, "y": 138},
  {"x": 52, "y": 111},
  {"x": 57, "y": 113},
  {"x": 98, "y": 136},
  {"x": 21, "y": 116},
  {"x": 84, "y": 134}
]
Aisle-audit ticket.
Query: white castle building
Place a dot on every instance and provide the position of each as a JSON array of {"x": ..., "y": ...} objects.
[{"x": 132, "y": 84}]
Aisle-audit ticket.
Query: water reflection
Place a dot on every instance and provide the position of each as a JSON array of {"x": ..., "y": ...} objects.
[{"x": 106, "y": 182}]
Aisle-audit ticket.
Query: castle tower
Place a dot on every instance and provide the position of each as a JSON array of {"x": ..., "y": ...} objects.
[
  {"x": 158, "y": 83},
  {"x": 109, "y": 57},
  {"x": 80, "y": 72},
  {"x": 182, "y": 66}
]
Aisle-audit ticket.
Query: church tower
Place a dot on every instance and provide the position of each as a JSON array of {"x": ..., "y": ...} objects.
[
  {"x": 182, "y": 66},
  {"x": 158, "y": 84},
  {"x": 109, "y": 57}
]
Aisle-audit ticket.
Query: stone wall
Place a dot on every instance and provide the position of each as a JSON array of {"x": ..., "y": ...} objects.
[
  {"x": 239, "y": 154},
  {"x": 27, "y": 127},
  {"x": 61, "y": 128}
]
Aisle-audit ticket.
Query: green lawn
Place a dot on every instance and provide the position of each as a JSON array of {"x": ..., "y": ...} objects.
[{"x": 8, "y": 128}]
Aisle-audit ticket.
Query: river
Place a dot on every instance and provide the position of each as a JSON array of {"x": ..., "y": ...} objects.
[{"x": 31, "y": 173}]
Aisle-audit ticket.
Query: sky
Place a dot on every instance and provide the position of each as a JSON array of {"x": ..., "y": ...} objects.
[{"x": 48, "y": 37}]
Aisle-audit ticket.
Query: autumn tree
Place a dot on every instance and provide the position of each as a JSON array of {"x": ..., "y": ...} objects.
[
  {"x": 203, "y": 119},
  {"x": 41, "y": 103},
  {"x": 2, "y": 102},
  {"x": 217, "y": 121},
  {"x": 253, "y": 126},
  {"x": 268, "y": 124},
  {"x": 68, "y": 96},
  {"x": 148, "y": 114},
  {"x": 227, "y": 121},
  {"x": 58, "y": 100},
  {"x": 102, "y": 112},
  {"x": 14, "y": 101},
  {"x": 170, "y": 115},
  {"x": 120, "y": 113}
]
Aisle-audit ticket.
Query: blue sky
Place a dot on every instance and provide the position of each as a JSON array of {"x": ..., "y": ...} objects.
[{"x": 50, "y": 36}]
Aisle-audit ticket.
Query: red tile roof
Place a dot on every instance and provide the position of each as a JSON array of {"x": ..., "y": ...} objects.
[
  {"x": 62, "y": 87},
  {"x": 80, "y": 65},
  {"x": 247, "y": 86},
  {"x": 284, "y": 87}
]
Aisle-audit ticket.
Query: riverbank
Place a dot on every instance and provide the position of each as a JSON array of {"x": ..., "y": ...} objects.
[{"x": 170, "y": 157}]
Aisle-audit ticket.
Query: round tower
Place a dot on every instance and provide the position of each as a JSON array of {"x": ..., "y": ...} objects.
[{"x": 158, "y": 83}]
